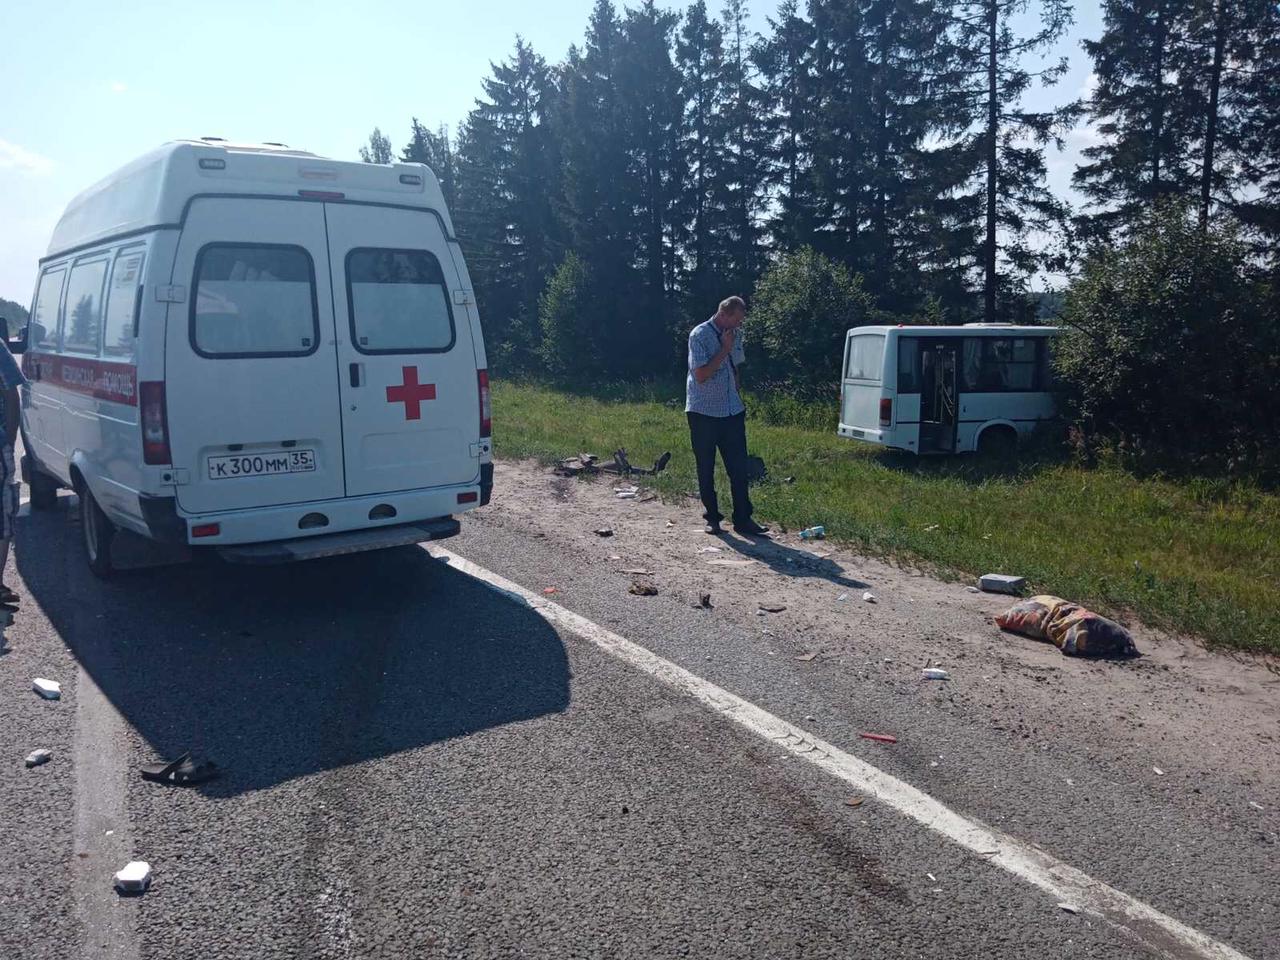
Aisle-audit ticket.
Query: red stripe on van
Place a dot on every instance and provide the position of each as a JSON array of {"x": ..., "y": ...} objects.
[{"x": 101, "y": 379}]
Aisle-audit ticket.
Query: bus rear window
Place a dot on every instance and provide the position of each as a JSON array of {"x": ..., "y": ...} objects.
[{"x": 866, "y": 357}]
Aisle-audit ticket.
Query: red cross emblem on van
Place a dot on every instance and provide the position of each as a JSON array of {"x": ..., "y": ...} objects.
[{"x": 411, "y": 393}]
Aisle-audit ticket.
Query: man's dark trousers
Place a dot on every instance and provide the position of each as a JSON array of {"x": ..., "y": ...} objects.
[{"x": 729, "y": 434}]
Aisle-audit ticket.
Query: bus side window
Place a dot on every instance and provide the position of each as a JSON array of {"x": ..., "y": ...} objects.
[{"x": 908, "y": 365}]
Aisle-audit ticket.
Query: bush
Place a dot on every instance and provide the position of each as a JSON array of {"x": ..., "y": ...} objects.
[
  {"x": 801, "y": 309},
  {"x": 565, "y": 313},
  {"x": 1173, "y": 349}
]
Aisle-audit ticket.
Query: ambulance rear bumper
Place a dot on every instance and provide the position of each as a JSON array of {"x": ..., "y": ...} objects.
[{"x": 337, "y": 544}]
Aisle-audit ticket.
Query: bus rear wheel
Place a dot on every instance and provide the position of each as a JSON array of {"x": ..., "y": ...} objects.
[{"x": 997, "y": 443}]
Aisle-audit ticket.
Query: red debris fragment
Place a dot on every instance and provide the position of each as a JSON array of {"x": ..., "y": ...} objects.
[{"x": 881, "y": 737}]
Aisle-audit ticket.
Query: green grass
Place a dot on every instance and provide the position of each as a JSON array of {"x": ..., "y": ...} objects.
[{"x": 1198, "y": 556}]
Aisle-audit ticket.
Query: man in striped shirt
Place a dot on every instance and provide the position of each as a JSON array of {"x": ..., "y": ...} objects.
[{"x": 717, "y": 415}]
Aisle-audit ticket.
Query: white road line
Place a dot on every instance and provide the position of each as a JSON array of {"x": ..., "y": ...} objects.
[
  {"x": 1158, "y": 932},
  {"x": 100, "y": 787}
]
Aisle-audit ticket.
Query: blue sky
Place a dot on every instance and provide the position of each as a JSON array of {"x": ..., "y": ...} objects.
[{"x": 88, "y": 86}]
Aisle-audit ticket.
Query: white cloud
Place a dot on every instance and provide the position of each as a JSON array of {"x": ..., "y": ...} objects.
[
  {"x": 118, "y": 87},
  {"x": 15, "y": 157},
  {"x": 1090, "y": 84}
]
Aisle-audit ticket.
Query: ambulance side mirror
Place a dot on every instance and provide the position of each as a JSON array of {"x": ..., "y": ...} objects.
[{"x": 18, "y": 345}]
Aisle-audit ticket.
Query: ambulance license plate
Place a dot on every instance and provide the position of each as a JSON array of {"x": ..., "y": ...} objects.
[{"x": 261, "y": 464}]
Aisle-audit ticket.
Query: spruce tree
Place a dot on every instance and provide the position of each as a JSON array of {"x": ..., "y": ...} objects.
[
  {"x": 1146, "y": 109},
  {"x": 436, "y": 151},
  {"x": 699, "y": 58},
  {"x": 996, "y": 49},
  {"x": 509, "y": 176},
  {"x": 378, "y": 149}
]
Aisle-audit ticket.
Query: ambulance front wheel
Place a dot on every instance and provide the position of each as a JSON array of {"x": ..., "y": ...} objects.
[{"x": 98, "y": 532}]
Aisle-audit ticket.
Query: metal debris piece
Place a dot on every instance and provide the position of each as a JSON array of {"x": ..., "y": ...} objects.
[
  {"x": 806, "y": 657},
  {"x": 1069, "y": 907},
  {"x": 639, "y": 573},
  {"x": 934, "y": 673},
  {"x": 772, "y": 607},
  {"x": 703, "y": 602},
  {"x": 641, "y": 589},
  {"x": 855, "y": 801},
  {"x": 604, "y": 531},
  {"x": 49, "y": 689},
  {"x": 869, "y": 597},
  {"x": 588, "y": 463}
]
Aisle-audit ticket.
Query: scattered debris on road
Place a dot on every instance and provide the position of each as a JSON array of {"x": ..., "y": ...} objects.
[
  {"x": 639, "y": 572},
  {"x": 1002, "y": 583},
  {"x": 134, "y": 878},
  {"x": 842, "y": 598},
  {"x": 39, "y": 757},
  {"x": 641, "y": 589},
  {"x": 972, "y": 589},
  {"x": 855, "y": 801},
  {"x": 807, "y": 657},
  {"x": 185, "y": 771},
  {"x": 49, "y": 689},
  {"x": 1157, "y": 771},
  {"x": 588, "y": 463},
  {"x": 934, "y": 673},
  {"x": 731, "y": 563},
  {"x": 931, "y": 877},
  {"x": 604, "y": 531},
  {"x": 869, "y": 597},
  {"x": 879, "y": 737},
  {"x": 626, "y": 493},
  {"x": 1069, "y": 907},
  {"x": 770, "y": 607},
  {"x": 1069, "y": 627},
  {"x": 548, "y": 591},
  {"x": 814, "y": 533},
  {"x": 1256, "y": 805},
  {"x": 711, "y": 550},
  {"x": 703, "y": 602}
]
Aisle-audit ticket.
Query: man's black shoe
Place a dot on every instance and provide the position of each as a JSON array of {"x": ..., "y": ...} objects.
[
  {"x": 750, "y": 528},
  {"x": 713, "y": 529}
]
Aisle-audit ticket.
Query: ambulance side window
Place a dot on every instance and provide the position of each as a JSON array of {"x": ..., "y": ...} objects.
[
  {"x": 82, "y": 318},
  {"x": 122, "y": 302},
  {"x": 254, "y": 300},
  {"x": 44, "y": 315},
  {"x": 398, "y": 302}
]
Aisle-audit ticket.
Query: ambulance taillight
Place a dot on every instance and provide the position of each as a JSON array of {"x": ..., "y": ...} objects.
[
  {"x": 155, "y": 423},
  {"x": 486, "y": 409}
]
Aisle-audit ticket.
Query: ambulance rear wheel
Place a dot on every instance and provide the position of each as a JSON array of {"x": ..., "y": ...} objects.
[
  {"x": 98, "y": 533},
  {"x": 44, "y": 489}
]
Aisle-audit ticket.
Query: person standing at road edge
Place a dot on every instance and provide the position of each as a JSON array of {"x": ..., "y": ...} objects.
[
  {"x": 717, "y": 415},
  {"x": 11, "y": 379}
]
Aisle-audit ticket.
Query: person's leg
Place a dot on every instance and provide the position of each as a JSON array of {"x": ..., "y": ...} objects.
[
  {"x": 702, "y": 436},
  {"x": 732, "y": 442}
]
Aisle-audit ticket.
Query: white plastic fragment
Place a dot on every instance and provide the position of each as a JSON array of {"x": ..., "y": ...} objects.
[
  {"x": 49, "y": 689},
  {"x": 1158, "y": 771},
  {"x": 842, "y": 598},
  {"x": 37, "y": 757},
  {"x": 1069, "y": 907},
  {"x": 973, "y": 589},
  {"x": 1256, "y": 805},
  {"x": 934, "y": 673},
  {"x": 134, "y": 878},
  {"x": 1001, "y": 583},
  {"x": 869, "y": 597},
  {"x": 626, "y": 494},
  {"x": 709, "y": 550},
  {"x": 932, "y": 877}
]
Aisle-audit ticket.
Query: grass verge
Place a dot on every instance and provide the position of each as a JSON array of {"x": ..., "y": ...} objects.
[{"x": 1197, "y": 556}]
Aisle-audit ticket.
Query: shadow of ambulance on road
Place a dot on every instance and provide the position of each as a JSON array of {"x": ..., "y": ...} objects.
[{"x": 279, "y": 672}]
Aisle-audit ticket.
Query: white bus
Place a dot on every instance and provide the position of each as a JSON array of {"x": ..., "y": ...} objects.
[
  {"x": 257, "y": 350},
  {"x": 972, "y": 388}
]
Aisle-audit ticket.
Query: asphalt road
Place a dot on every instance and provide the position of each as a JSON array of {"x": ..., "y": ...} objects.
[{"x": 419, "y": 766}]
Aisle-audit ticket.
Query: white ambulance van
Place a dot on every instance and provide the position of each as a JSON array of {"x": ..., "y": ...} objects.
[{"x": 257, "y": 350}]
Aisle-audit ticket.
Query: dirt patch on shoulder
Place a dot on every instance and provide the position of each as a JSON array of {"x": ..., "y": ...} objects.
[{"x": 1221, "y": 709}]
